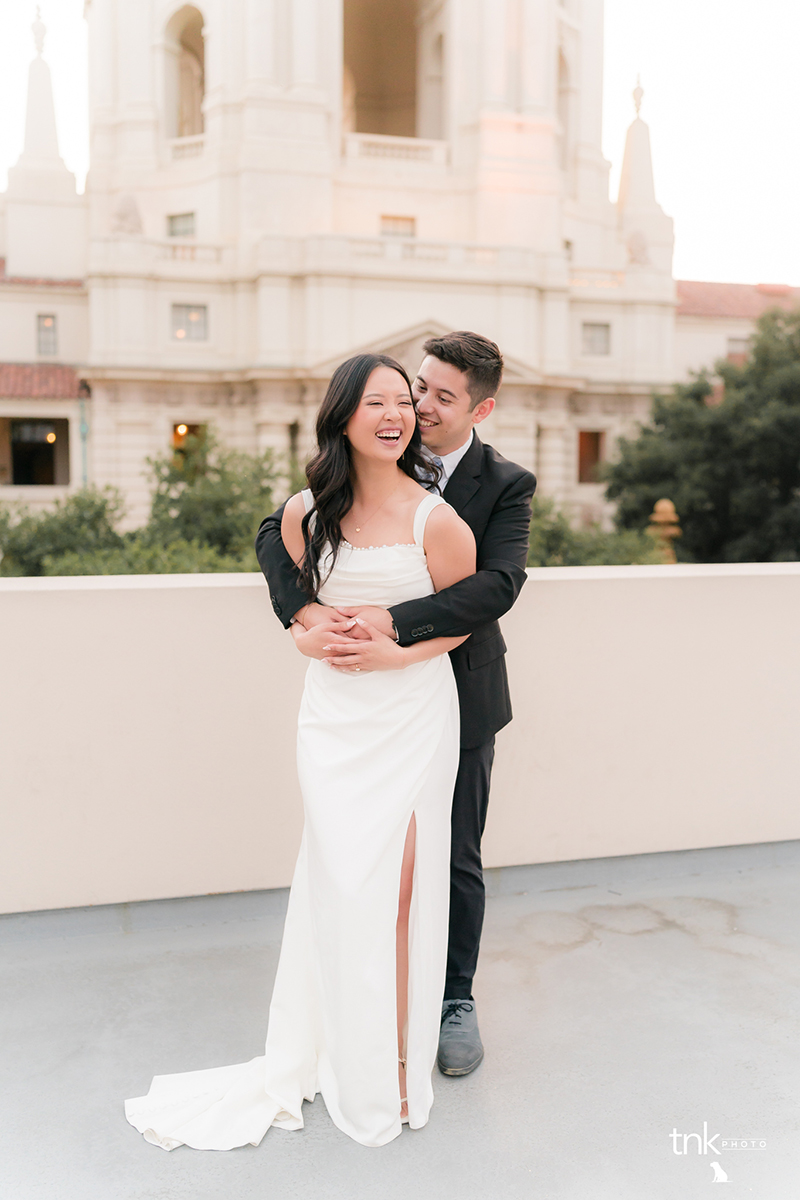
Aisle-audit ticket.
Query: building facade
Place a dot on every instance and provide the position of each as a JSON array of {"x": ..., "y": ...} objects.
[{"x": 277, "y": 184}]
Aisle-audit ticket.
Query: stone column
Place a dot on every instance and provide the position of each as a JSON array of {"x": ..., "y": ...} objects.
[
  {"x": 496, "y": 54},
  {"x": 261, "y": 40},
  {"x": 513, "y": 426},
  {"x": 536, "y": 50},
  {"x": 555, "y": 359},
  {"x": 552, "y": 460},
  {"x": 305, "y": 48}
]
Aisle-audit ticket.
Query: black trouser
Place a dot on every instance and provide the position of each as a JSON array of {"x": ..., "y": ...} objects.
[{"x": 467, "y": 898}]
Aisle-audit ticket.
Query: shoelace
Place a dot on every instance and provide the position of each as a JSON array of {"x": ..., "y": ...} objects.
[{"x": 454, "y": 1010}]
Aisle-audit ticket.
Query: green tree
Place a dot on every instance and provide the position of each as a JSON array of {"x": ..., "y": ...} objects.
[
  {"x": 210, "y": 494},
  {"x": 732, "y": 469},
  {"x": 138, "y": 556},
  {"x": 554, "y": 542},
  {"x": 206, "y": 505},
  {"x": 84, "y": 523}
]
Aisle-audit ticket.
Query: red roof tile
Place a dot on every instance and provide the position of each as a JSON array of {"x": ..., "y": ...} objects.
[
  {"x": 31, "y": 381},
  {"x": 24, "y": 281},
  {"x": 747, "y": 300}
]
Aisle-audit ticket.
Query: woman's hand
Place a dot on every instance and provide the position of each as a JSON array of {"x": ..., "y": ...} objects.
[
  {"x": 313, "y": 642},
  {"x": 374, "y": 651}
]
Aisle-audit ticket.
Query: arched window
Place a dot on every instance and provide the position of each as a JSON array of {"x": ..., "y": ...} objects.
[
  {"x": 185, "y": 73},
  {"x": 380, "y": 58}
]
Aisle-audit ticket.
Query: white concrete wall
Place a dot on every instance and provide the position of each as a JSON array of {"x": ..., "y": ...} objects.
[
  {"x": 19, "y": 307},
  {"x": 147, "y": 727},
  {"x": 700, "y": 341}
]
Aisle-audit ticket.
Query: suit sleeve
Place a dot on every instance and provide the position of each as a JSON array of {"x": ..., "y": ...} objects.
[
  {"x": 491, "y": 591},
  {"x": 282, "y": 576}
]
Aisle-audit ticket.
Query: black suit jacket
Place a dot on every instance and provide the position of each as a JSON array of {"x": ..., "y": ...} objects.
[{"x": 493, "y": 496}]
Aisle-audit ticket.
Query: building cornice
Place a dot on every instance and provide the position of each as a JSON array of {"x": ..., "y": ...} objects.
[{"x": 26, "y": 283}]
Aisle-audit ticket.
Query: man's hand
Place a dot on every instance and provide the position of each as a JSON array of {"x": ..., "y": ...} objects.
[
  {"x": 379, "y": 618},
  {"x": 318, "y": 614}
]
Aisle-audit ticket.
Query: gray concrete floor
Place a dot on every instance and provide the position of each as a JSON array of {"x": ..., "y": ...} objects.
[{"x": 620, "y": 999}]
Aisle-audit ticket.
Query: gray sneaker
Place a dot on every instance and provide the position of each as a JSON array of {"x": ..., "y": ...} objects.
[{"x": 460, "y": 1045}]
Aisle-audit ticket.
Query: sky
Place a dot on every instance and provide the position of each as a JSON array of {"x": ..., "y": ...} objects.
[{"x": 721, "y": 98}]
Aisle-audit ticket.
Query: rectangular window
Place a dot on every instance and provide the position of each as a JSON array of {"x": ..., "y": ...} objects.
[
  {"x": 181, "y": 431},
  {"x": 46, "y": 334},
  {"x": 39, "y": 451},
  {"x": 398, "y": 227},
  {"x": 190, "y": 322},
  {"x": 738, "y": 349},
  {"x": 180, "y": 225},
  {"x": 596, "y": 338},
  {"x": 590, "y": 454},
  {"x": 6, "y": 475}
]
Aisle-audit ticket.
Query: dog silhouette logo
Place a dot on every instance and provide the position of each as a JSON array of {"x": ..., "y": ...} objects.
[{"x": 719, "y": 1174}]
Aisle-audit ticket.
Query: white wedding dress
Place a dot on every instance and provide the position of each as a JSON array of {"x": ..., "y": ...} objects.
[{"x": 372, "y": 750}]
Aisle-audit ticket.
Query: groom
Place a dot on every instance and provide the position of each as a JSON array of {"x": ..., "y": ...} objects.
[{"x": 454, "y": 391}]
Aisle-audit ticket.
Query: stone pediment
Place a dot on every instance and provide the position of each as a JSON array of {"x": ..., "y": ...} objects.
[{"x": 406, "y": 346}]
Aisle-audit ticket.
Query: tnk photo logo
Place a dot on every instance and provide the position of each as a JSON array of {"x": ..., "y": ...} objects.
[{"x": 702, "y": 1143}]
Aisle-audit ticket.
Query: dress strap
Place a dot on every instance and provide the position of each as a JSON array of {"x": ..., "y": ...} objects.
[
  {"x": 308, "y": 501},
  {"x": 424, "y": 509}
]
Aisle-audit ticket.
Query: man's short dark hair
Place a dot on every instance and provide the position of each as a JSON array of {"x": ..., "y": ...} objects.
[{"x": 479, "y": 359}]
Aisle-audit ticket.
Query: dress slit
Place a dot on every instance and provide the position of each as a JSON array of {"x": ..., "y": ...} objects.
[{"x": 402, "y": 992}]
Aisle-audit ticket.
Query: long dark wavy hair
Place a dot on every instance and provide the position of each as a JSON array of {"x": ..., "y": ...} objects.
[{"x": 330, "y": 471}]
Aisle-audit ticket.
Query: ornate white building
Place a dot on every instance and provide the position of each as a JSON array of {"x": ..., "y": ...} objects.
[{"x": 276, "y": 184}]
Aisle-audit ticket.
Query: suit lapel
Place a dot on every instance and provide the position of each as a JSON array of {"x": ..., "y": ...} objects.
[{"x": 465, "y": 480}]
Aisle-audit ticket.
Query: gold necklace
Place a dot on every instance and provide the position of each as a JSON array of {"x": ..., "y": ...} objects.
[{"x": 377, "y": 510}]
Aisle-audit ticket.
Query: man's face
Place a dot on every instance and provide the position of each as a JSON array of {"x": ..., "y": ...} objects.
[{"x": 443, "y": 406}]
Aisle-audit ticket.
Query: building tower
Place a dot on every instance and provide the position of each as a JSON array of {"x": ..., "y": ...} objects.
[{"x": 276, "y": 184}]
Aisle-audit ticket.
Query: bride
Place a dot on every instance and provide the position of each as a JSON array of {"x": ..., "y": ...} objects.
[{"x": 356, "y": 1005}]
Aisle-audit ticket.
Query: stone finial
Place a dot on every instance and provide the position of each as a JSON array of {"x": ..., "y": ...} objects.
[
  {"x": 38, "y": 31},
  {"x": 638, "y": 252},
  {"x": 664, "y": 528},
  {"x": 638, "y": 93},
  {"x": 636, "y": 188},
  {"x": 126, "y": 218}
]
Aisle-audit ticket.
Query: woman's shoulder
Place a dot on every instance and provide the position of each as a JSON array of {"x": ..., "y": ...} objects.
[
  {"x": 443, "y": 522},
  {"x": 449, "y": 545},
  {"x": 292, "y": 525},
  {"x": 298, "y": 505}
]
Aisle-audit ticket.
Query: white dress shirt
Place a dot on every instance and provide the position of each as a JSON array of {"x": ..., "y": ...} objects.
[{"x": 450, "y": 461}]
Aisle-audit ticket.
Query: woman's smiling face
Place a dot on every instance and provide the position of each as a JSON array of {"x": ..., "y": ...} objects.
[{"x": 382, "y": 425}]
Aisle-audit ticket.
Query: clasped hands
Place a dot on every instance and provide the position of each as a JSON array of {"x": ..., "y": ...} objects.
[{"x": 352, "y": 640}]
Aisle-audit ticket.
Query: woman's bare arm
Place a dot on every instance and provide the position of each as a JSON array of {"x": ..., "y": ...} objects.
[
  {"x": 292, "y": 527},
  {"x": 449, "y": 547},
  {"x": 450, "y": 551},
  {"x": 315, "y": 613}
]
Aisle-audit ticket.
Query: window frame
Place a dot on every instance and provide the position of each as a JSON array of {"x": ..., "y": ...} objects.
[
  {"x": 404, "y": 226},
  {"x": 55, "y": 443},
  {"x": 600, "y": 434},
  {"x": 43, "y": 333},
  {"x": 586, "y": 351},
  {"x": 176, "y": 324},
  {"x": 181, "y": 233}
]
